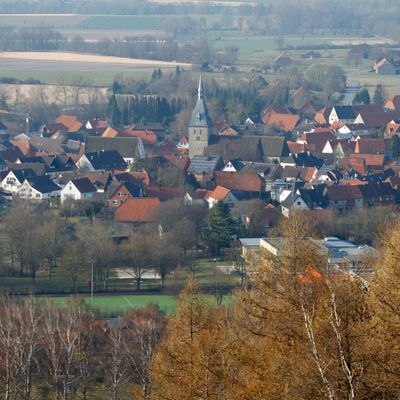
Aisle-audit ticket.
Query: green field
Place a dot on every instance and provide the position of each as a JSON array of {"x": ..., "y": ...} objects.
[
  {"x": 99, "y": 78},
  {"x": 120, "y": 305},
  {"x": 130, "y": 22},
  {"x": 117, "y": 305}
]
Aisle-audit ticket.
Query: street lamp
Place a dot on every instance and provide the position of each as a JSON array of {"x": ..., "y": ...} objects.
[{"x": 91, "y": 286}]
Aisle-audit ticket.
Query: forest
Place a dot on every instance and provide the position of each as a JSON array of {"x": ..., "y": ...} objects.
[{"x": 292, "y": 310}]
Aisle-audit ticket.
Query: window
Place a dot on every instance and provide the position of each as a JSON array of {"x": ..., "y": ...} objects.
[{"x": 197, "y": 138}]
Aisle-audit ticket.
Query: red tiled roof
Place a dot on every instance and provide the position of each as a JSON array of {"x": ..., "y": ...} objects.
[
  {"x": 239, "y": 181},
  {"x": 370, "y": 159},
  {"x": 70, "y": 121},
  {"x": 287, "y": 122},
  {"x": 370, "y": 146},
  {"x": 24, "y": 147},
  {"x": 219, "y": 193},
  {"x": 138, "y": 210},
  {"x": 163, "y": 193},
  {"x": 148, "y": 137},
  {"x": 295, "y": 148}
]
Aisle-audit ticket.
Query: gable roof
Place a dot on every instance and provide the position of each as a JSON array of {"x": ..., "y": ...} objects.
[
  {"x": 204, "y": 165},
  {"x": 138, "y": 210},
  {"x": 127, "y": 147},
  {"x": 239, "y": 181},
  {"x": 70, "y": 122},
  {"x": 107, "y": 160},
  {"x": 370, "y": 146},
  {"x": 344, "y": 112},
  {"x": 287, "y": 122},
  {"x": 274, "y": 146},
  {"x": 84, "y": 185},
  {"x": 219, "y": 193},
  {"x": 43, "y": 184},
  {"x": 46, "y": 145}
]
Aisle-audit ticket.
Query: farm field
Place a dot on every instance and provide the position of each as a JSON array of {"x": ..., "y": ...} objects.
[
  {"x": 94, "y": 77},
  {"x": 97, "y": 70}
]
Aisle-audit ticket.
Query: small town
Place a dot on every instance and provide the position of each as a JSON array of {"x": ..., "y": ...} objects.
[{"x": 199, "y": 200}]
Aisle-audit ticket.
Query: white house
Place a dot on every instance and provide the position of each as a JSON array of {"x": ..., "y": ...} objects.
[
  {"x": 14, "y": 180},
  {"x": 221, "y": 194},
  {"x": 78, "y": 189},
  {"x": 39, "y": 188}
]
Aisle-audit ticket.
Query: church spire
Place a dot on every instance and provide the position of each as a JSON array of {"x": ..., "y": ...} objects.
[{"x": 200, "y": 90}]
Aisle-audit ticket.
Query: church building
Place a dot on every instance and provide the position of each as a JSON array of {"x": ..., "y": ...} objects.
[{"x": 199, "y": 125}]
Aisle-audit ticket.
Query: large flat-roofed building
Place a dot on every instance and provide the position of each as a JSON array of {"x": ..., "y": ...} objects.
[{"x": 341, "y": 254}]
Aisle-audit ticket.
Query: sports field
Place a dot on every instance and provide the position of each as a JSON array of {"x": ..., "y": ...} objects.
[
  {"x": 116, "y": 305},
  {"x": 120, "y": 305}
]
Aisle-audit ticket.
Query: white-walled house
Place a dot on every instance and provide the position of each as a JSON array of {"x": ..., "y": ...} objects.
[
  {"x": 39, "y": 188},
  {"x": 78, "y": 189},
  {"x": 221, "y": 194},
  {"x": 12, "y": 182}
]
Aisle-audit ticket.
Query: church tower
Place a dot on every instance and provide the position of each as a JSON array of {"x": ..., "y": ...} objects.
[{"x": 199, "y": 125}]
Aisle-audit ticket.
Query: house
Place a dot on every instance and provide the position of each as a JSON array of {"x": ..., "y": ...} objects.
[
  {"x": 221, "y": 194},
  {"x": 46, "y": 145},
  {"x": 138, "y": 210},
  {"x": 370, "y": 146},
  {"x": 385, "y": 67},
  {"x": 282, "y": 61},
  {"x": 266, "y": 115},
  {"x": 70, "y": 122},
  {"x": 14, "y": 179},
  {"x": 322, "y": 116},
  {"x": 101, "y": 161},
  {"x": 229, "y": 130},
  {"x": 274, "y": 148},
  {"x": 300, "y": 98},
  {"x": 183, "y": 143},
  {"x": 377, "y": 119},
  {"x": 392, "y": 128},
  {"x": 124, "y": 191},
  {"x": 130, "y": 148},
  {"x": 155, "y": 127},
  {"x": 203, "y": 166},
  {"x": 96, "y": 124},
  {"x": 244, "y": 185},
  {"x": 342, "y": 114},
  {"x": 392, "y": 104},
  {"x": 233, "y": 165},
  {"x": 78, "y": 189},
  {"x": 39, "y": 188},
  {"x": 351, "y": 130},
  {"x": 285, "y": 122},
  {"x": 197, "y": 197},
  {"x": 292, "y": 202},
  {"x": 342, "y": 197},
  {"x": 378, "y": 194}
]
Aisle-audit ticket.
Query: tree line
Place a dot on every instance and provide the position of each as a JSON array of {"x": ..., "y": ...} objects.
[
  {"x": 53, "y": 352},
  {"x": 298, "y": 17},
  {"x": 298, "y": 330},
  {"x": 41, "y": 240}
]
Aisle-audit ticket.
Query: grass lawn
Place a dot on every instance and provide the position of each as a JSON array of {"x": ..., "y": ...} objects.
[
  {"x": 115, "y": 305},
  {"x": 107, "y": 306}
]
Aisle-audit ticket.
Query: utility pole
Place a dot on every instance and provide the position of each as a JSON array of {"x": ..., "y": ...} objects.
[{"x": 91, "y": 286}]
